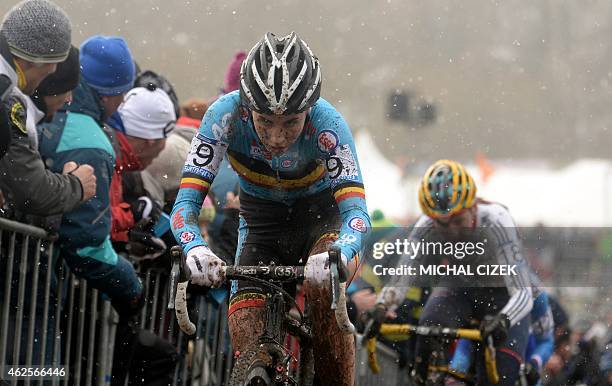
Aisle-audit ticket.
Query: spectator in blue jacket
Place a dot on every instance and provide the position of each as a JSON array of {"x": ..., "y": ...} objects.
[{"x": 79, "y": 134}]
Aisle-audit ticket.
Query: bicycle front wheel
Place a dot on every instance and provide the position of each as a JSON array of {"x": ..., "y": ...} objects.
[{"x": 253, "y": 368}]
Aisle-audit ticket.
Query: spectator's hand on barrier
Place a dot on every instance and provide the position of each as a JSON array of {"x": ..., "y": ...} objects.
[
  {"x": 364, "y": 300},
  {"x": 85, "y": 174},
  {"x": 145, "y": 245},
  {"x": 232, "y": 201},
  {"x": 495, "y": 326},
  {"x": 532, "y": 373},
  {"x": 205, "y": 267}
]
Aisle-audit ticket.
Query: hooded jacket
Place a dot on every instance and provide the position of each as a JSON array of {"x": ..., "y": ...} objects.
[
  {"x": 79, "y": 135},
  {"x": 7, "y": 82},
  {"x": 28, "y": 186}
]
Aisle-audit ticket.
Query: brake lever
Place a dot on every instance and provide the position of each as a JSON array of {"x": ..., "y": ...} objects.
[
  {"x": 179, "y": 279},
  {"x": 179, "y": 273},
  {"x": 334, "y": 272},
  {"x": 174, "y": 276}
]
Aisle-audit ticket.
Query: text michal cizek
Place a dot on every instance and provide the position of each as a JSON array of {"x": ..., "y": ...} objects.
[{"x": 447, "y": 270}]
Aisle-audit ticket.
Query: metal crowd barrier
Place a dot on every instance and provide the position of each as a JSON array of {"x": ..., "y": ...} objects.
[
  {"x": 204, "y": 360},
  {"x": 387, "y": 360},
  {"x": 51, "y": 318}
]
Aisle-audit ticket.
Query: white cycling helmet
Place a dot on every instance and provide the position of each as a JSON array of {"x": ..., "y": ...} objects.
[{"x": 280, "y": 75}]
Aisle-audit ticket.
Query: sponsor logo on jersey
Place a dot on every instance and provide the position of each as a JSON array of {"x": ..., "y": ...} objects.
[
  {"x": 206, "y": 139},
  {"x": 260, "y": 151},
  {"x": 202, "y": 172},
  {"x": 327, "y": 141},
  {"x": 186, "y": 237},
  {"x": 287, "y": 163},
  {"x": 178, "y": 221},
  {"x": 358, "y": 224},
  {"x": 256, "y": 151},
  {"x": 346, "y": 239},
  {"x": 224, "y": 131}
]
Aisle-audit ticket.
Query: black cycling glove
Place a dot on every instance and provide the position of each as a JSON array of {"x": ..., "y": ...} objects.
[
  {"x": 495, "y": 326},
  {"x": 532, "y": 373},
  {"x": 145, "y": 244},
  {"x": 373, "y": 318},
  {"x": 145, "y": 209}
]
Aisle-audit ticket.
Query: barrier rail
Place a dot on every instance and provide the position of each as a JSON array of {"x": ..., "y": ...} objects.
[
  {"x": 50, "y": 317},
  {"x": 387, "y": 360}
]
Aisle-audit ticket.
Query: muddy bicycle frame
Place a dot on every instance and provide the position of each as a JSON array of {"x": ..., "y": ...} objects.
[{"x": 278, "y": 321}]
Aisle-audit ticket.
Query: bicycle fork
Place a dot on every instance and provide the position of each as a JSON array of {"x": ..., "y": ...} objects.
[
  {"x": 274, "y": 319},
  {"x": 273, "y": 336}
]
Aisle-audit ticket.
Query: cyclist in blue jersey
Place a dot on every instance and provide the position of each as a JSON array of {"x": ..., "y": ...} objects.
[{"x": 301, "y": 192}]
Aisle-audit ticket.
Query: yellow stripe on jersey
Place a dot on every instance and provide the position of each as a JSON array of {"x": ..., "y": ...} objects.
[
  {"x": 348, "y": 192},
  {"x": 194, "y": 183},
  {"x": 271, "y": 182}
]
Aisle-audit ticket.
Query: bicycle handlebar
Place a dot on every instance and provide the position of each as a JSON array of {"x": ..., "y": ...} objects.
[
  {"x": 277, "y": 273},
  {"x": 438, "y": 331},
  {"x": 407, "y": 329},
  {"x": 180, "y": 276}
]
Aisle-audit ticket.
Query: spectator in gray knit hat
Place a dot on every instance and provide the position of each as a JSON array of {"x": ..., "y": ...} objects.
[
  {"x": 34, "y": 38},
  {"x": 37, "y": 33}
]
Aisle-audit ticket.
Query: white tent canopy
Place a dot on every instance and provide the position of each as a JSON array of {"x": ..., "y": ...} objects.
[
  {"x": 576, "y": 195},
  {"x": 385, "y": 189}
]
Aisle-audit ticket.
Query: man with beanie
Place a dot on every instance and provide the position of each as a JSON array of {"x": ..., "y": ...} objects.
[
  {"x": 161, "y": 179},
  {"x": 78, "y": 132},
  {"x": 56, "y": 90},
  {"x": 52, "y": 93},
  {"x": 142, "y": 124},
  {"x": 34, "y": 38}
]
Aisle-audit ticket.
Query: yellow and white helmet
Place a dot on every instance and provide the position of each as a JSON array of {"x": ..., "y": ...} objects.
[{"x": 446, "y": 189}]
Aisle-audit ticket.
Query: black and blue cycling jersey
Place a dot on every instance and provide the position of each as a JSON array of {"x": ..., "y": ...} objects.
[{"x": 322, "y": 158}]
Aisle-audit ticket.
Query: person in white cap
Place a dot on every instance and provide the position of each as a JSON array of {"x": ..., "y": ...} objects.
[{"x": 142, "y": 124}]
